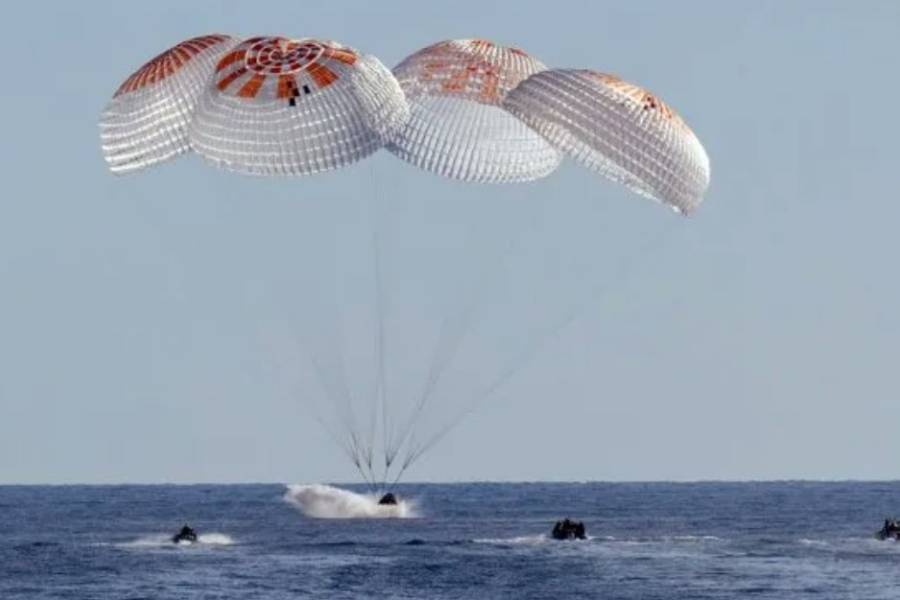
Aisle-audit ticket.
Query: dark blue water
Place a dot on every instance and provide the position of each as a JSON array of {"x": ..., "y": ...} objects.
[{"x": 656, "y": 540}]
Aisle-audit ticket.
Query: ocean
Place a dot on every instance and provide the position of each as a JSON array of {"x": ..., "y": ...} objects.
[{"x": 784, "y": 540}]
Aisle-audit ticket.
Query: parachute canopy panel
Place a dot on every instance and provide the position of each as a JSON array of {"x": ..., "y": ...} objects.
[
  {"x": 147, "y": 120},
  {"x": 278, "y": 106},
  {"x": 457, "y": 127},
  {"x": 617, "y": 129}
]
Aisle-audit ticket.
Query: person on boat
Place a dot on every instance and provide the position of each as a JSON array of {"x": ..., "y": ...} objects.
[
  {"x": 568, "y": 530},
  {"x": 187, "y": 534},
  {"x": 579, "y": 531},
  {"x": 891, "y": 529},
  {"x": 558, "y": 531}
]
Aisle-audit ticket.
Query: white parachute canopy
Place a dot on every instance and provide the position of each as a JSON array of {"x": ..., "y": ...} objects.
[
  {"x": 146, "y": 121},
  {"x": 617, "y": 129},
  {"x": 278, "y": 106},
  {"x": 457, "y": 126}
]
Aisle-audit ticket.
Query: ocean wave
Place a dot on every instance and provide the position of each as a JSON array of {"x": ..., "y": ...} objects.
[{"x": 326, "y": 502}]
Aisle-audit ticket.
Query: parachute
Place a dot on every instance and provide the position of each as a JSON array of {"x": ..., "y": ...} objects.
[
  {"x": 293, "y": 107},
  {"x": 469, "y": 110},
  {"x": 457, "y": 126},
  {"x": 617, "y": 129},
  {"x": 146, "y": 122}
]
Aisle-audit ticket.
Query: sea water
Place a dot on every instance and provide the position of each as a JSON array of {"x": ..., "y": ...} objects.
[{"x": 485, "y": 540}]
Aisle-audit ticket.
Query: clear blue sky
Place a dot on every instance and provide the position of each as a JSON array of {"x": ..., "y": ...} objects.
[{"x": 144, "y": 320}]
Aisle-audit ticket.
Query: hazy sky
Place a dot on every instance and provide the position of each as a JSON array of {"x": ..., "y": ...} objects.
[{"x": 161, "y": 327}]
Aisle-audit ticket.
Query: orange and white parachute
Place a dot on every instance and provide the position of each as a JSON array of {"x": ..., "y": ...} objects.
[
  {"x": 466, "y": 109},
  {"x": 147, "y": 120},
  {"x": 457, "y": 125},
  {"x": 277, "y": 106},
  {"x": 617, "y": 129}
]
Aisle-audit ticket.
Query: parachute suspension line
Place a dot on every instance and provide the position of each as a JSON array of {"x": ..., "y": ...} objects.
[
  {"x": 324, "y": 381},
  {"x": 449, "y": 340},
  {"x": 368, "y": 476},
  {"x": 349, "y": 419},
  {"x": 351, "y": 444},
  {"x": 410, "y": 458},
  {"x": 625, "y": 269},
  {"x": 349, "y": 450},
  {"x": 414, "y": 451},
  {"x": 334, "y": 382},
  {"x": 381, "y": 396},
  {"x": 386, "y": 424},
  {"x": 373, "y": 405},
  {"x": 337, "y": 390},
  {"x": 344, "y": 391},
  {"x": 346, "y": 445},
  {"x": 446, "y": 351},
  {"x": 332, "y": 394},
  {"x": 454, "y": 329}
]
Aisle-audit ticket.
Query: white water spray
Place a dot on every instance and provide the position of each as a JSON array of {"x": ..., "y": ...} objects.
[{"x": 326, "y": 502}]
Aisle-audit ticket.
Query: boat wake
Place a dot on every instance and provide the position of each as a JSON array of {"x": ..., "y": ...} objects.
[
  {"x": 522, "y": 540},
  {"x": 163, "y": 540},
  {"x": 326, "y": 502}
]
